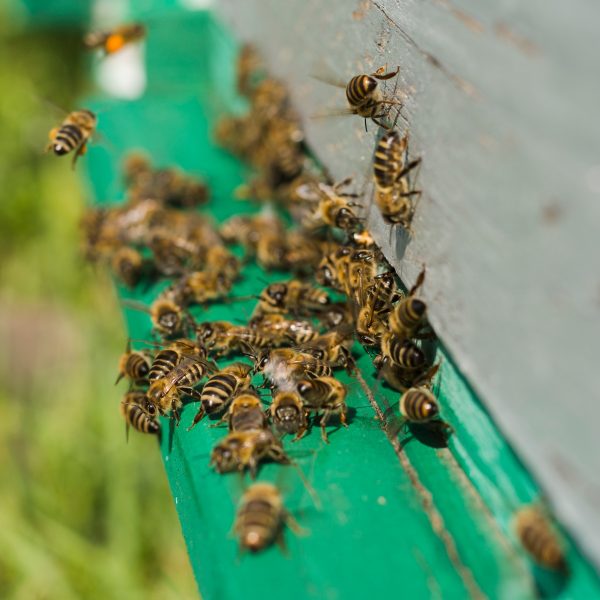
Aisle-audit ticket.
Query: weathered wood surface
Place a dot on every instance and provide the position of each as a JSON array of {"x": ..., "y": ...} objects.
[{"x": 501, "y": 100}]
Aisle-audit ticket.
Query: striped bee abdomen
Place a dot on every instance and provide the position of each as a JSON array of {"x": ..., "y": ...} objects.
[
  {"x": 218, "y": 391},
  {"x": 67, "y": 139},
  {"x": 419, "y": 405},
  {"x": 359, "y": 89}
]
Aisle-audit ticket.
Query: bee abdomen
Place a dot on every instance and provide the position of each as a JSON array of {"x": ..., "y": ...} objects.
[
  {"x": 138, "y": 419},
  {"x": 406, "y": 354},
  {"x": 539, "y": 540},
  {"x": 164, "y": 363},
  {"x": 359, "y": 88},
  {"x": 218, "y": 390},
  {"x": 418, "y": 405},
  {"x": 258, "y": 524},
  {"x": 67, "y": 138},
  {"x": 136, "y": 366}
]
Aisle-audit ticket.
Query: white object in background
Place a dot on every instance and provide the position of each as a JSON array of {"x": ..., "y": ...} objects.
[
  {"x": 196, "y": 4},
  {"x": 123, "y": 74}
]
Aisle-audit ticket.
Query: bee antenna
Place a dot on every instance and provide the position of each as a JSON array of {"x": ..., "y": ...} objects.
[
  {"x": 309, "y": 488},
  {"x": 135, "y": 305}
]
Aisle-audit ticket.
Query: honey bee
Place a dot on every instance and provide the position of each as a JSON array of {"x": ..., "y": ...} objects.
[
  {"x": 168, "y": 318},
  {"x": 218, "y": 337},
  {"x": 261, "y": 517},
  {"x": 174, "y": 255},
  {"x": 305, "y": 253},
  {"x": 288, "y": 414},
  {"x": 221, "y": 260},
  {"x": 221, "y": 387},
  {"x": 325, "y": 394},
  {"x": 369, "y": 326},
  {"x": 113, "y": 41},
  {"x": 294, "y": 297},
  {"x": 200, "y": 287},
  {"x": 284, "y": 367},
  {"x": 241, "y": 450},
  {"x": 539, "y": 540},
  {"x": 168, "y": 358},
  {"x": 128, "y": 265},
  {"x": 134, "y": 364},
  {"x": 165, "y": 394},
  {"x": 134, "y": 415},
  {"x": 271, "y": 251},
  {"x": 335, "y": 209},
  {"x": 402, "y": 379},
  {"x": 332, "y": 347},
  {"x": 245, "y": 413},
  {"x": 402, "y": 352},
  {"x": 73, "y": 133},
  {"x": 419, "y": 405},
  {"x": 280, "y": 331},
  {"x": 409, "y": 317},
  {"x": 393, "y": 195}
]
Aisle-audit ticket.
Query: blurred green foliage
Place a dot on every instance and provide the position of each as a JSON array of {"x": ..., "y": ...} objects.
[{"x": 83, "y": 514}]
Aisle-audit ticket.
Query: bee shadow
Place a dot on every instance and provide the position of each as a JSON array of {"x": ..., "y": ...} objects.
[{"x": 434, "y": 434}]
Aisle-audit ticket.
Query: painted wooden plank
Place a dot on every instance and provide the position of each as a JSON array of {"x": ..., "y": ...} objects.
[{"x": 501, "y": 102}]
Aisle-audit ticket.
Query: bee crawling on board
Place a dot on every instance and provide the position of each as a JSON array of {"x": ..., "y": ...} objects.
[
  {"x": 261, "y": 517},
  {"x": 539, "y": 539},
  {"x": 135, "y": 416},
  {"x": 73, "y": 134},
  {"x": 289, "y": 414},
  {"x": 116, "y": 39},
  {"x": 393, "y": 194}
]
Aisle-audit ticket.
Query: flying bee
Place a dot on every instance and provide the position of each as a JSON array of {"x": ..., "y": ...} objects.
[
  {"x": 293, "y": 297},
  {"x": 241, "y": 450},
  {"x": 393, "y": 193},
  {"x": 539, "y": 540},
  {"x": 261, "y": 517},
  {"x": 325, "y": 394},
  {"x": 113, "y": 41},
  {"x": 284, "y": 367},
  {"x": 73, "y": 133},
  {"x": 128, "y": 265},
  {"x": 168, "y": 358},
  {"x": 402, "y": 352},
  {"x": 288, "y": 414},
  {"x": 134, "y": 415},
  {"x": 134, "y": 364},
  {"x": 221, "y": 387}
]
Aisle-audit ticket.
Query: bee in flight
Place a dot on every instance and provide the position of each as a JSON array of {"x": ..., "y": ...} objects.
[
  {"x": 365, "y": 97},
  {"x": 73, "y": 134},
  {"x": 113, "y": 41}
]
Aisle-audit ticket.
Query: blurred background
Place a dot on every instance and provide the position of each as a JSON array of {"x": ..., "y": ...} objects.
[{"x": 83, "y": 513}]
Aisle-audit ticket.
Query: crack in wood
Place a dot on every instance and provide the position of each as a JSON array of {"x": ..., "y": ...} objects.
[{"x": 434, "y": 516}]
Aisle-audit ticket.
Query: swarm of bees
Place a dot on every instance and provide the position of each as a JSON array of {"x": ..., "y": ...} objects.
[{"x": 301, "y": 334}]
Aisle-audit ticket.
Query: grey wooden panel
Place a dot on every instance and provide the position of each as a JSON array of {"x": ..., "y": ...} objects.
[{"x": 502, "y": 100}]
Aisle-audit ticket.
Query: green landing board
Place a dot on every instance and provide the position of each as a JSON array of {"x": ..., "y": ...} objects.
[{"x": 397, "y": 516}]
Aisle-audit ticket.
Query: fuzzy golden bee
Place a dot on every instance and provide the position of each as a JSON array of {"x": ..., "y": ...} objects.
[
  {"x": 288, "y": 414},
  {"x": 294, "y": 297},
  {"x": 539, "y": 540},
  {"x": 261, "y": 517},
  {"x": 408, "y": 319},
  {"x": 241, "y": 450}
]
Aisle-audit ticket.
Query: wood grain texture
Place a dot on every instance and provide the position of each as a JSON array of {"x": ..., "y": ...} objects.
[{"x": 501, "y": 102}]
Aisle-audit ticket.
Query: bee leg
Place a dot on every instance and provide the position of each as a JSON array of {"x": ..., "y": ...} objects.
[
  {"x": 343, "y": 417},
  {"x": 293, "y": 525},
  {"x": 324, "y": 420},
  {"x": 382, "y": 75},
  {"x": 199, "y": 416}
]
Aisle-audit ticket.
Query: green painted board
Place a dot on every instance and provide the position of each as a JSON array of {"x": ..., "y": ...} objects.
[{"x": 423, "y": 522}]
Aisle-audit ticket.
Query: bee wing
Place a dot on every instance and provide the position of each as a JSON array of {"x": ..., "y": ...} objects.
[
  {"x": 326, "y": 74},
  {"x": 334, "y": 112}
]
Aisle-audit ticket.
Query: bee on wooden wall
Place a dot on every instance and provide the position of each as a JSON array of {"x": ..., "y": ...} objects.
[
  {"x": 393, "y": 194},
  {"x": 261, "y": 517},
  {"x": 116, "y": 39},
  {"x": 73, "y": 134}
]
